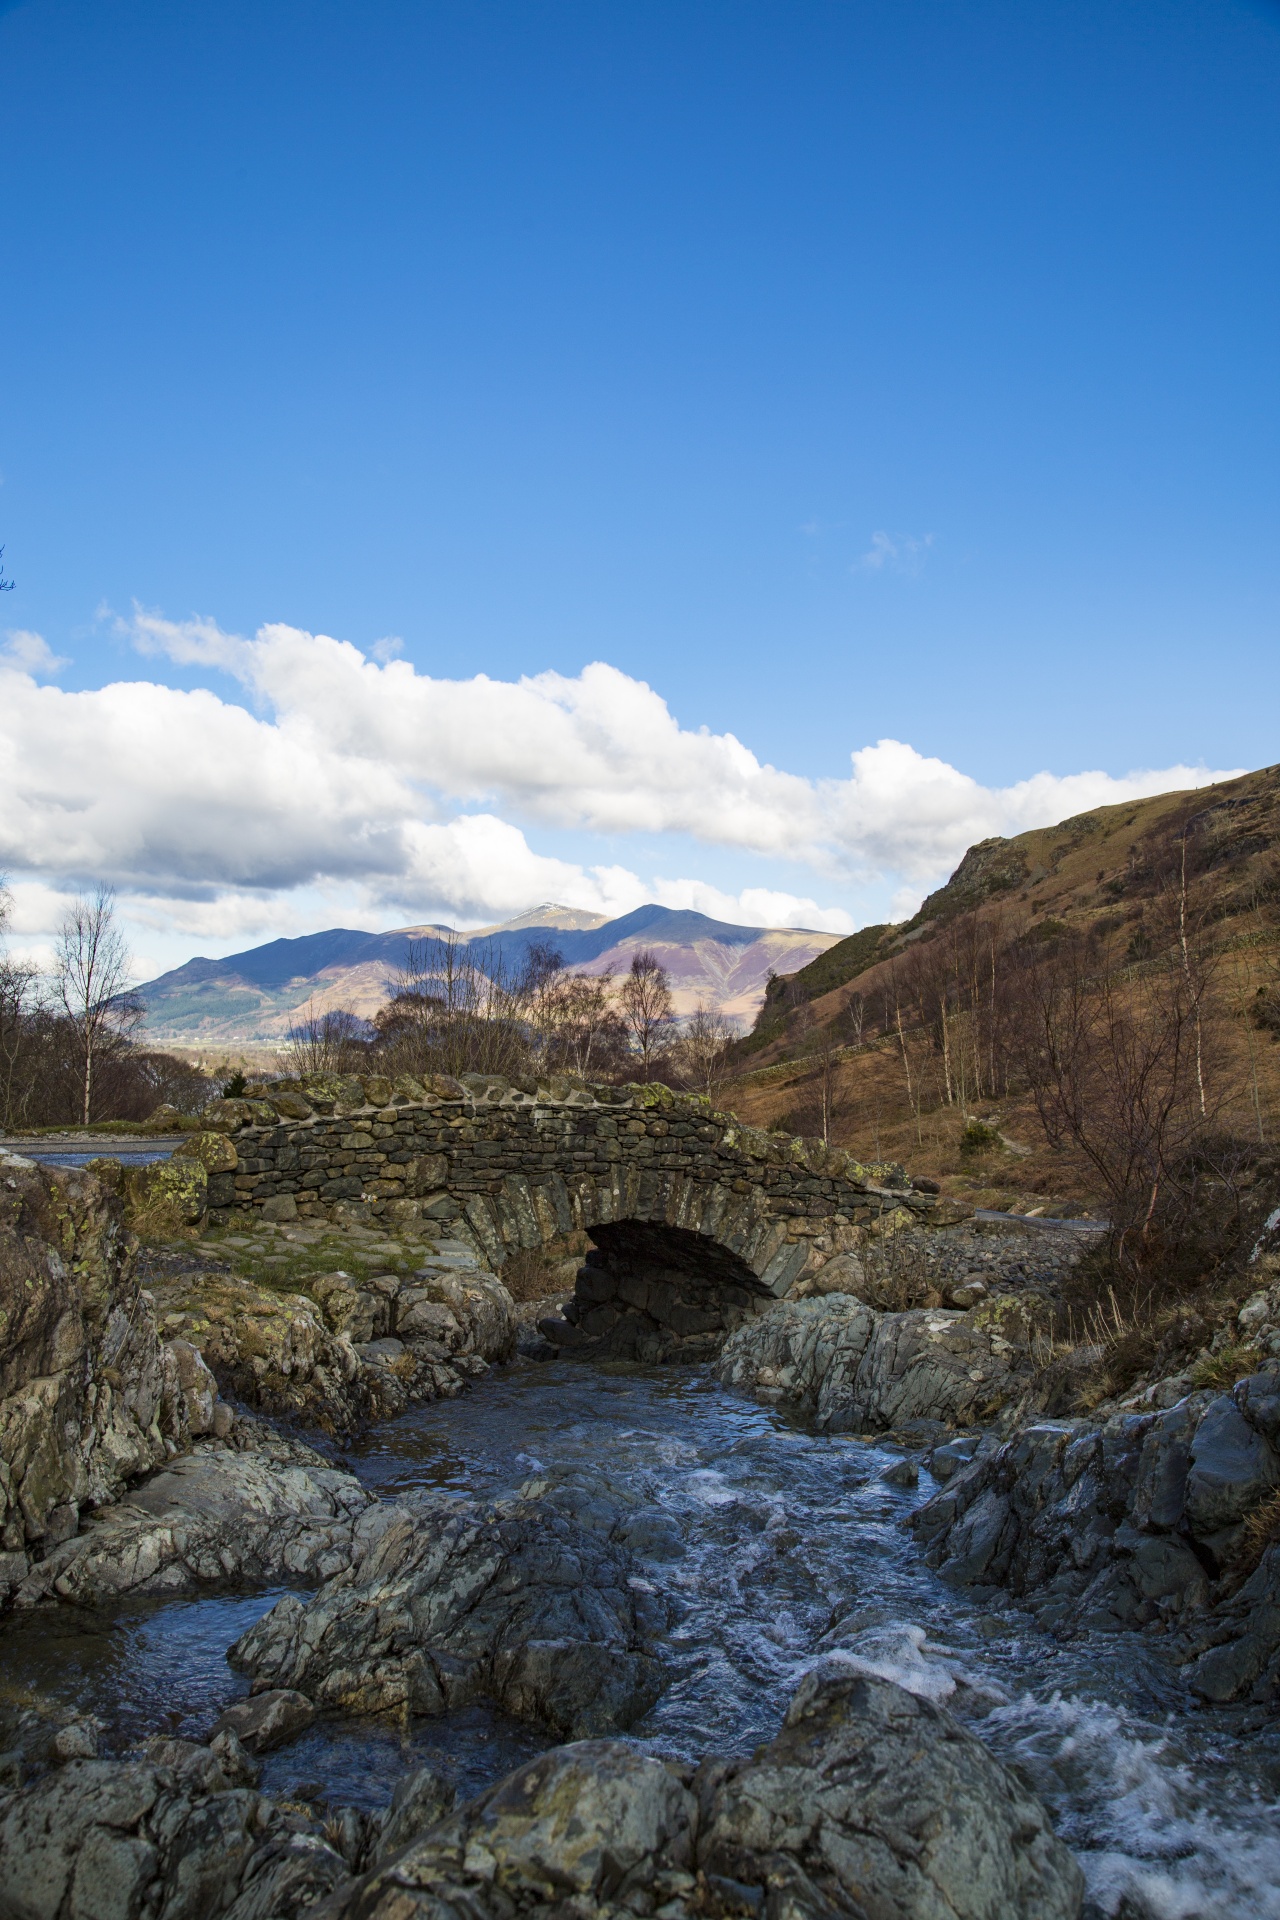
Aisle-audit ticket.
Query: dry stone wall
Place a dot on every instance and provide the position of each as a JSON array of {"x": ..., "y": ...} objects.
[{"x": 662, "y": 1183}]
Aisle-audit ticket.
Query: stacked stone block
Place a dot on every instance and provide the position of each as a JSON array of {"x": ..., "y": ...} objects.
[{"x": 507, "y": 1165}]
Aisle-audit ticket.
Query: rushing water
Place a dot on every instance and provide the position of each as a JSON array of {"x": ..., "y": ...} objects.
[{"x": 775, "y": 1547}]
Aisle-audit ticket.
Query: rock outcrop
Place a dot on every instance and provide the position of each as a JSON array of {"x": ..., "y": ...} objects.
[
  {"x": 164, "y": 1839},
  {"x": 869, "y": 1802},
  {"x": 90, "y": 1397},
  {"x": 850, "y": 1368},
  {"x": 348, "y": 1351},
  {"x": 1145, "y": 1520},
  {"x": 449, "y": 1601},
  {"x": 266, "y": 1510},
  {"x": 268, "y": 1348},
  {"x": 165, "y": 1199}
]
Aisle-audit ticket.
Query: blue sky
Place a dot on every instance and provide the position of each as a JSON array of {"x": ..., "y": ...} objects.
[{"x": 842, "y": 373}]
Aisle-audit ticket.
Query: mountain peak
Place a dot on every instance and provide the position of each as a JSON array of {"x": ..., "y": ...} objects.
[
  {"x": 567, "y": 919},
  {"x": 258, "y": 995}
]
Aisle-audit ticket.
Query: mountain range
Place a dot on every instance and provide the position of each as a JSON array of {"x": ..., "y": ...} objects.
[{"x": 256, "y": 996}]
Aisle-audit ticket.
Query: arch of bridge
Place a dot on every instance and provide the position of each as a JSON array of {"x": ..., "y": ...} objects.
[{"x": 510, "y": 1166}]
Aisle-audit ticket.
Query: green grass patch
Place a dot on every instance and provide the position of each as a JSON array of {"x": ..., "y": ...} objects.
[
  {"x": 286, "y": 1267},
  {"x": 1223, "y": 1369}
]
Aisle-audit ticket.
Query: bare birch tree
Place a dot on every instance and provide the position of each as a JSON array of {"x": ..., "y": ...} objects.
[
  {"x": 17, "y": 994},
  {"x": 704, "y": 1050},
  {"x": 644, "y": 1001},
  {"x": 854, "y": 1019},
  {"x": 92, "y": 965},
  {"x": 825, "y": 1084},
  {"x": 589, "y": 1037},
  {"x": 893, "y": 1009}
]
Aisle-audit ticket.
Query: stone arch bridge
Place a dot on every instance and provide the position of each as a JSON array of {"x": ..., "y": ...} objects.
[{"x": 694, "y": 1221}]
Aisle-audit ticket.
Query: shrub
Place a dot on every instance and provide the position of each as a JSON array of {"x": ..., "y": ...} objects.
[
  {"x": 1266, "y": 1011},
  {"x": 532, "y": 1274},
  {"x": 978, "y": 1137}
]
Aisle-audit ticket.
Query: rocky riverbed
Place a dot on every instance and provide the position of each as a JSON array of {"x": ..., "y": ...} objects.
[{"x": 249, "y": 1674}]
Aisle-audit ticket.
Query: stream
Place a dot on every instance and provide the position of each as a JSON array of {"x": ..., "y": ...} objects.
[{"x": 774, "y": 1546}]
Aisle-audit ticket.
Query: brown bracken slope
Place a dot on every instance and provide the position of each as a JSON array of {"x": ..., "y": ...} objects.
[{"x": 1111, "y": 873}]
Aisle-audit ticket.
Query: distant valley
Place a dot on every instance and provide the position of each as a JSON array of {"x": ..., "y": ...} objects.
[{"x": 258, "y": 995}]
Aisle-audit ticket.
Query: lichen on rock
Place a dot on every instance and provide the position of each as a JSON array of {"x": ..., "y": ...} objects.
[
  {"x": 1140, "y": 1521},
  {"x": 167, "y": 1199},
  {"x": 868, "y": 1802},
  {"x": 346, "y": 1351},
  {"x": 852, "y": 1369},
  {"x": 446, "y": 1602},
  {"x": 90, "y": 1397}
]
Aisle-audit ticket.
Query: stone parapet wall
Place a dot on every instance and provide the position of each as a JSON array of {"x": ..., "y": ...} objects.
[{"x": 512, "y": 1166}]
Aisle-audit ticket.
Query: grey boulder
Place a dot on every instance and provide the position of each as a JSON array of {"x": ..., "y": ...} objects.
[
  {"x": 1235, "y": 1651},
  {"x": 447, "y": 1602},
  {"x": 211, "y": 1516},
  {"x": 870, "y": 1802},
  {"x": 268, "y": 1720},
  {"x": 111, "y": 1840},
  {"x": 873, "y": 1800},
  {"x": 420, "y": 1800},
  {"x": 1139, "y": 1522},
  {"x": 853, "y": 1368},
  {"x": 1233, "y": 1468}
]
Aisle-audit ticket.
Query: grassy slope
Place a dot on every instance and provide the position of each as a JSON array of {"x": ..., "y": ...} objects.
[{"x": 1098, "y": 869}]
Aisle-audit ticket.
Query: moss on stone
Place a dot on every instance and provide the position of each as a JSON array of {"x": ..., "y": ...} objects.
[
  {"x": 215, "y": 1152},
  {"x": 166, "y": 1200}
]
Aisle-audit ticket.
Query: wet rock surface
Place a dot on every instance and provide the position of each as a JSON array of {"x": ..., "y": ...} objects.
[
  {"x": 420, "y": 1800},
  {"x": 852, "y": 1369},
  {"x": 268, "y": 1720},
  {"x": 1141, "y": 1521},
  {"x": 545, "y": 1605},
  {"x": 762, "y": 1536},
  {"x": 269, "y": 1510},
  {"x": 349, "y": 1349},
  {"x": 447, "y": 1602},
  {"x": 869, "y": 1801},
  {"x": 113, "y": 1840}
]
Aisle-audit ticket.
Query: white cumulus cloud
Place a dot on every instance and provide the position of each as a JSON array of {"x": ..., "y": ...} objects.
[{"x": 347, "y": 777}]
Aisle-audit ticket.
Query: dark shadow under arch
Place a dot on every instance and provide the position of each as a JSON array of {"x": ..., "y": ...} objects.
[{"x": 654, "y": 1293}]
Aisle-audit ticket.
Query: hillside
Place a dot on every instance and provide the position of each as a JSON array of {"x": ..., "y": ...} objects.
[
  {"x": 1124, "y": 876},
  {"x": 257, "y": 995},
  {"x": 1094, "y": 866}
]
